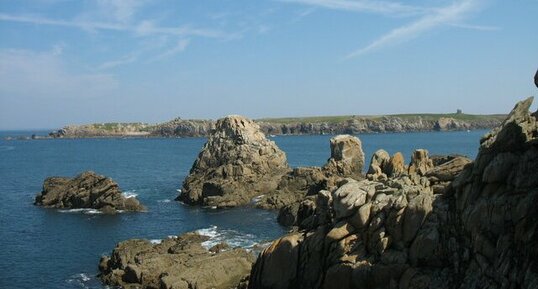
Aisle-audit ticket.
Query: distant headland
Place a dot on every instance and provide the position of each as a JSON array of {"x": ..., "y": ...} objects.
[{"x": 346, "y": 124}]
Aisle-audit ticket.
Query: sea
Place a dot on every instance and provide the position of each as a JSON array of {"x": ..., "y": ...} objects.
[{"x": 49, "y": 248}]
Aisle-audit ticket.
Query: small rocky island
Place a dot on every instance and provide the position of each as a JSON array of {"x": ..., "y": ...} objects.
[{"x": 86, "y": 191}]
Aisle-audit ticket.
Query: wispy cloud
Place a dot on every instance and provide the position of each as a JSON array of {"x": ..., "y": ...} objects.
[
  {"x": 120, "y": 10},
  {"x": 26, "y": 73},
  {"x": 180, "y": 46},
  {"x": 122, "y": 61},
  {"x": 367, "y": 6},
  {"x": 476, "y": 27},
  {"x": 441, "y": 16},
  {"x": 143, "y": 27}
]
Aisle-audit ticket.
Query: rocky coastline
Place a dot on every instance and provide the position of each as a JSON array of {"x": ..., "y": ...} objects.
[
  {"x": 437, "y": 222},
  {"x": 291, "y": 126}
]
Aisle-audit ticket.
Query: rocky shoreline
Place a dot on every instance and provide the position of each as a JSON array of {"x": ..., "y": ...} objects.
[
  {"x": 291, "y": 126},
  {"x": 437, "y": 222}
]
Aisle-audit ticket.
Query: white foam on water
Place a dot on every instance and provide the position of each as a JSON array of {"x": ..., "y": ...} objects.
[
  {"x": 231, "y": 237},
  {"x": 155, "y": 241},
  {"x": 256, "y": 199},
  {"x": 178, "y": 190},
  {"x": 130, "y": 194},
  {"x": 164, "y": 201},
  {"x": 80, "y": 280},
  {"x": 82, "y": 210}
]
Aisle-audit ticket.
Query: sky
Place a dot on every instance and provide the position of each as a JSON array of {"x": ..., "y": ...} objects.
[{"x": 85, "y": 61}]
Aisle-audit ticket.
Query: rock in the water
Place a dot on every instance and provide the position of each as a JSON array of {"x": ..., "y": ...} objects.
[
  {"x": 175, "y": 263},
  {"x": 236, "y": 164},
  {"x": 347, "y": 157},
  {"x": 481, "y": 232},
  {"x": 87, "y": 190}
]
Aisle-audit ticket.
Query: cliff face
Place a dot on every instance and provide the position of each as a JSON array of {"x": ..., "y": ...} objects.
[
  {"x": 347, "y": 125},
  {"x": 401, "y": 231}
]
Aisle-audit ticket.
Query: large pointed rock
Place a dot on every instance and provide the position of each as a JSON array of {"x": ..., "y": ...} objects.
[{"x": 237, "y": 163}]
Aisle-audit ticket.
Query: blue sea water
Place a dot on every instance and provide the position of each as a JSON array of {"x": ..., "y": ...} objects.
[{"x": 47, "y": 248}]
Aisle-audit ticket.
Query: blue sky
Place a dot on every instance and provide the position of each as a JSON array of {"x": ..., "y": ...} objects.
[{"x": 80, "y": 61}]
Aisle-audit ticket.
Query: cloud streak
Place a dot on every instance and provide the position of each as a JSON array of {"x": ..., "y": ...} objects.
[
  {"x": 143, "y": 28},
  {"x": 441, "y": 16},
  {"x": 367, "y": 6}
]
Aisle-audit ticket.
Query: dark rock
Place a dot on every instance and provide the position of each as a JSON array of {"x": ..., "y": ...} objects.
[{"x": 87, "y": 190}]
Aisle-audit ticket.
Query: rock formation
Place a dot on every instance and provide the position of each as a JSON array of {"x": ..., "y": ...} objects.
[
  {"x": 87, "y": 190},
  {"x": 347, "y": 157},
  {"x": 480, "y": 231},
  {"x": 175, "y": 263},
  {"x": 236, "y": 164}
]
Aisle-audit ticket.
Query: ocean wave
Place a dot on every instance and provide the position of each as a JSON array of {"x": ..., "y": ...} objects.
[
  {"x": 231, "y": 237},
  {"x": 82, "y": 210},
  {"x": 178, "y": 190},
  {"x": 6, "y": 148},
  {"x": 130, "y": 194},
  {"x": 83, "y": 280},
  {"x": 164, "y": 201}
]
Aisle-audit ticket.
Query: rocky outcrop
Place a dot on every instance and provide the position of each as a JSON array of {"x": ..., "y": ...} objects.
[
  {"x": 236, "y": 164},
  {"x": 183, "y": 128},
  {"x": 346, "y": 161},
  {"x": 176, "y": 263},
  {"x": 87, "y": 190},
  {"x": 478, "y": 232}
]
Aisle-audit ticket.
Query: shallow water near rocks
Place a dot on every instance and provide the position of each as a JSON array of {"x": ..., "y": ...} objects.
[{"x": 47, "y": 248}]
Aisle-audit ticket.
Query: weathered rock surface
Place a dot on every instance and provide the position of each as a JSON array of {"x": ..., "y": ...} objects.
[
  {"x": 87, "y": 190},
  {"x": 481, "y": 231},
  {"x": 236, "y": 164},
  {"x": 175, "y": 263}
]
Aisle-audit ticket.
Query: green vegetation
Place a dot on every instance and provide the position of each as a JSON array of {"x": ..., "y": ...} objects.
[{"x": 113, "y": 126}]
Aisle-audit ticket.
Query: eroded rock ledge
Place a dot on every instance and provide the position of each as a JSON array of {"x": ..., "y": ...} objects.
[
  {"x": 426, "y": 225},
  {"x": 176, "y": 263},
  {"x": 86, "y": 191}
]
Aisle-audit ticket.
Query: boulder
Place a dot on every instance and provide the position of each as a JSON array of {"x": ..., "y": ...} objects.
[
  {"x": 378, "y": 165},
  {"x": 177, "y": 262},
  {"x": 420, "y": 162},
  {"x": 396, "y": 166},
  {"x": 347, "y": 157},
  {"x": 85, "y": 191},
  {"x": 236, "y": 164}
]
